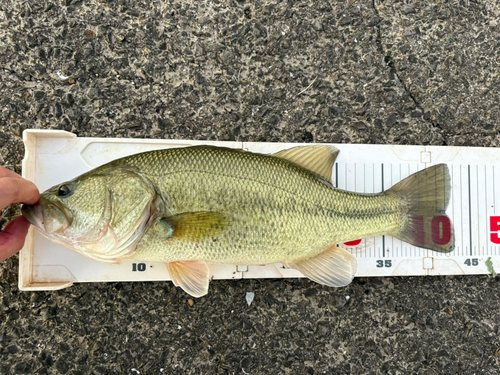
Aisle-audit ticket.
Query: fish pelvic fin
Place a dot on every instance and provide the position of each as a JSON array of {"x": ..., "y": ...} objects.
[
  {"x": 195, "y": 226},
  {"x": 426, "y": 195},
  {"x": 334, "y": 267},
  {"x": 192, "y": 276}
]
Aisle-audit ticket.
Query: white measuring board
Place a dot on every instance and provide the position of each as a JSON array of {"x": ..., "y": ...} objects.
[{"x": 54, "y": 156}]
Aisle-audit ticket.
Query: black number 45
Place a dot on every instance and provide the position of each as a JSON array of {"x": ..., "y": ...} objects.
[
  {"x": 382, "y": 263},
  {"x": 471, "y": 262}
]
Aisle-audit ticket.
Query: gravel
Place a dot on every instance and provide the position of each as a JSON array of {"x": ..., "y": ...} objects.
[{"x": 385, "y": 72}]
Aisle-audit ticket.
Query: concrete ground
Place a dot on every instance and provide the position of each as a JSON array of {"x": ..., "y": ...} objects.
[{"x": 389, "y": 72}]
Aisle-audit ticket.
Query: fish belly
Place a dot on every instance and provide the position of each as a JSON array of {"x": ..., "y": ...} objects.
[
  {"x": 263, "y": 226},
  {"x": 275, "y": 210}
]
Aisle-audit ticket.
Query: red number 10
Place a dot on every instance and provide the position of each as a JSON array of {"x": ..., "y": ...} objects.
[{"x": 440, "y": 231}]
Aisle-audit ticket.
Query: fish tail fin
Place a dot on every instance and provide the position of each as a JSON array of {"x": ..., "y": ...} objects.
[{"x": 426, "y": 195}]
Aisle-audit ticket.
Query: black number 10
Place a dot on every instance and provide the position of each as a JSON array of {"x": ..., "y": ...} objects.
[{"x": 141, "y": 267}]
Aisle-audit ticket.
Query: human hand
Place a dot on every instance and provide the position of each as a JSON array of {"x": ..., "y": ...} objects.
[{"x": 14, "y": 189}]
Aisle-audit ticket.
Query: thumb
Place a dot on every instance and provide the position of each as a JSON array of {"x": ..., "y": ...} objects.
[{"x": 12, "y": 238}]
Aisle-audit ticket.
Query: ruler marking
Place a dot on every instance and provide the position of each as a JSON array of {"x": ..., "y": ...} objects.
[
  {"x": 373, "y": 177},
  {"x": 494, "y": 202},
  {"x": 452, "y": 197},
  {"x": 494, "y": 199},
  {"x": 461, "y": 212},
  {"x": 373, "y": 188},
  {"x": 435, "y": 192},
  {"x": 392, "y": 179},
  {"x": 383, "y": 189},
  {"x": 345, "y": 180},
  {"x": 452, "y": 200},
  {"x": 366, "y": 247},
  {"x": 486, "y": 208},
  {"x": 409, "y": 172},
  {"x": 470, "y": 212},
  {"x": 478, "y": 213},
  {"x": 355, "y": 178},
  {"x": 382, "y": 165},
  {"x": 392, "y": 184},
  {"x": 392, "y": 247},
  {"x": 415, "y": 248}
]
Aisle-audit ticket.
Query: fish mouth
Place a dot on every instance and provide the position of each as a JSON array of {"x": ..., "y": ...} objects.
[
  {"x": 33, "y": 213},
  {"x": 47, "y": 216}
]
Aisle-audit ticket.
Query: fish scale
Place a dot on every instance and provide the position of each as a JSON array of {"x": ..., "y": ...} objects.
[{"x": 278, "y": 211}]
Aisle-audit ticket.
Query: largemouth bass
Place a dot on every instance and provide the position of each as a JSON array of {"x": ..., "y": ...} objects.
[{"x": 191, "y": 206}]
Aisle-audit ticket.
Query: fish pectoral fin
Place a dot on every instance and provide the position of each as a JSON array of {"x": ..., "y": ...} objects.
[
  {"x": 193, "y": 226},
  {"x": 333, "y": 267},
  {"x": 318, "y": 159},
  {"x": 192, "y": 276}
]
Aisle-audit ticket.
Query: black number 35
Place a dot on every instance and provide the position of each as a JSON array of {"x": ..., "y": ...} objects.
[{"x": 381, "y": 263}]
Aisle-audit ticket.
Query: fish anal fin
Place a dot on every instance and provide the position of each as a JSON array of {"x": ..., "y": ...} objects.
[
  {"x": 334, "y": 267},
  {"x": 191, "y": 276},
  {"x": 318, "y": 158},
  {"x": 193, "y": 226}
]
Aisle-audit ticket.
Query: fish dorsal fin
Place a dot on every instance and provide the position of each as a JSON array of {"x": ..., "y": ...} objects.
[
  {"x": 333, "y": 267},
  {"x": 318, "y": 158},
  {"x": 191, "y": 276},
  {"x": 194, "y": 226}
]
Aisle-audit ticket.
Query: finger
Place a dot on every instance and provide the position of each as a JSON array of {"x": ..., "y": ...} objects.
[
  {"x": 12, "y": 238},
  {"x": 4, "y": 172},
  {"x": 15, "y": 190}
]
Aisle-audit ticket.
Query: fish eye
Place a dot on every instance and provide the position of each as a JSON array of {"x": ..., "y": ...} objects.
[{"x": 65, "y": 190}]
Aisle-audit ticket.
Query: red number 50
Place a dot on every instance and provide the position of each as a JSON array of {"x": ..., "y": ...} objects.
[{"x": 495, "y": 227}]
